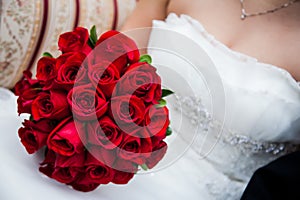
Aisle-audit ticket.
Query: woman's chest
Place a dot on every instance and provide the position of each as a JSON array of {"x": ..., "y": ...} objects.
[{"x": 269, "y": 40}]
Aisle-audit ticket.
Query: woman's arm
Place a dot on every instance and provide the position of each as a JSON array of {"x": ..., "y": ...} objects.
[
  {"x": 142, "y": 16},
  {"x": 144, "y": 12}
]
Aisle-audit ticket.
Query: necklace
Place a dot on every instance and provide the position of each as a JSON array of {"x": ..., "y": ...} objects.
[{"x": 244, "y": 14}]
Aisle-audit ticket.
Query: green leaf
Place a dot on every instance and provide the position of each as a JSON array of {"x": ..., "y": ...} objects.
[
  {"x": 31, "y": 118},
  {"x": 93, "y": 34},
  {"x": 161, "y": 103},
  {"x": 146, "y": 58},
  {"x": 166, "y": 92},
  {"x": 93, "y": 37},
  {"x": 144, "y": 167},
  {"x": 169, "y": 131},
  {"x": 90, "y": 43},
  {"x": 47, "y": 54}
]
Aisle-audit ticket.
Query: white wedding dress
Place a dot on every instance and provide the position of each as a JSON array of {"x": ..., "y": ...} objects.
[{"x": 230, "y": 115}]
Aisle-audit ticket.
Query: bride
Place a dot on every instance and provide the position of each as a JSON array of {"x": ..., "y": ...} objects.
[
  {"x": 253, "y": 46},
  {"x": 234, "y": 67}
]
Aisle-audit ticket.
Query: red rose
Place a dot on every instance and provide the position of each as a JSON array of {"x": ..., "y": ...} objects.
[
  {"x": 96, "y": 172},
  {"x": 117, "y": 48},
  {"x": 68, "y": 168},
  {"x": 105, "y": 76},
  {"x": 46, "y": 70},
  {"x": 87, "y": 103},
  {"x": 67, "y": 67},
  {"x": 34, "y": 134},
  {"x": 75, "y": 41},
  {"x": 104, "y": 133},
  {"x": 82, "y": 76},
  {"x": 65, "y": 139},
  {"x": 141, "y": 80},
  {"x": 135, "y": 149},
  {"x": 26, "y": 83},
  {"x": 25, "y": 101},
  {"x": 122, "y": 165},
  {"x": 27, "y": 89},
  {"x": 84, "y": 187},
  {"x": 128, "y": 112},
  {"x": 157, "y": 121},
  {"x": 122, "y": 177},
  {"x": 53, "y": 105},
  {"x": 157, "y": 154},
  {"x": 47, "y": 166},
  {"x": 65, "y": 174},
  {"x": 124, "y": 171},
  {"x": 105, "y": 156},
  {"x": 64, "y": 169}
]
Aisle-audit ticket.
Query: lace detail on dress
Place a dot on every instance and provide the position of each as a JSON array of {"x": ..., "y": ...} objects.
[
  {"x": 246, "y": 144},
  {"x": 193, "y": 108}
]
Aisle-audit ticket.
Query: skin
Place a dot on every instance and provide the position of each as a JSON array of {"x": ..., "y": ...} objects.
[{"x": 273, "y": 38}]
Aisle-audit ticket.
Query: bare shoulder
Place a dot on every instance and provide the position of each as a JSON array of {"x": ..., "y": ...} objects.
[{"x": 187, "y": 7}]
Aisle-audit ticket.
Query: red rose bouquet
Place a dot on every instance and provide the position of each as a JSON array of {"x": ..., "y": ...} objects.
[{"x": 96, "y": 110}]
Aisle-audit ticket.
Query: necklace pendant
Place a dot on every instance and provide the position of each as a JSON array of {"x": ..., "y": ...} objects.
[{"x": 243, "y": 16}]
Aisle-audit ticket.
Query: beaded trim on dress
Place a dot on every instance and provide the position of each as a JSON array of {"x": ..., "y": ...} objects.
[{"x": 192, "y": 108}]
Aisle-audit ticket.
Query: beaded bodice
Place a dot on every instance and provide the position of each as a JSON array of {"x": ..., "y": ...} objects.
[{"x": 243, "y": 154}]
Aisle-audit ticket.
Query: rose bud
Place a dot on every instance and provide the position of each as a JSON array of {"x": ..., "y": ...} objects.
[
  {"x": 157, "y": 154},
  {"x": 105, "y": 156},
  {"x": 105, "y": 76},
  {"x": 96, "y": 172},
  {"x": 123, "y": 165},
  {"x": 53, "y": 105},
  {"x": 104, "y": 133},
  {"x": 141, "y": 79},
  {"x": 68, "y": 168},
  {"x": 26, "y": 83},
  {"x": 87, "y": 103},
  {"x": 65, "y": 139},
  {"x": 124, "y": 171},
  {"x": 47, "y": 166},
  {"x": 116, "y": 48},
  {"x": 135, "y": 149},
  {"x": 34, "y": 134},
  {"x": 84, "y": 187},
  {"x": 25, "y": 101},
  {"x": 157, "y": 121},
  {"x": 75, "y": 41},
  {"x": 27, "y": 89},
  {"x": 76, "y": 160},
  {"x": 128, "y": 112},
  {"x": 122, "y": 177},
  {"x": 65, "y": 174},
  {"x": 46, "y": 70},
  {"x": 68, "y": 65}
]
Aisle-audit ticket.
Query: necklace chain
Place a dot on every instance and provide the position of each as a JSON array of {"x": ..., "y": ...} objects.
[{"x": 244, "y": 14}]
